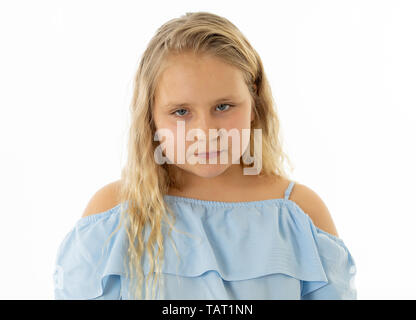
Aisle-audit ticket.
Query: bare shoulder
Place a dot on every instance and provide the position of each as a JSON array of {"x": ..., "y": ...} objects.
[
  {"x": 104, "y": 199},
  {"x": 312, "y": 204}
]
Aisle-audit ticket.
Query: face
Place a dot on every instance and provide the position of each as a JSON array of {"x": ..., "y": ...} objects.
[{"x": 196, "y": 93}]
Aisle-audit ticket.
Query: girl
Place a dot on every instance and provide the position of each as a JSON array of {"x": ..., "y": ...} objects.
[{"x": 236, "y": 234}]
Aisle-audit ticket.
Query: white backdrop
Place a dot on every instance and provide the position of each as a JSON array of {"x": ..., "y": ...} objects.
[{"x": 342, "y": 75}]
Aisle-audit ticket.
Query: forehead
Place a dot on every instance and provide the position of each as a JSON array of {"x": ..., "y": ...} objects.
[{"x": 189, "y": 77}]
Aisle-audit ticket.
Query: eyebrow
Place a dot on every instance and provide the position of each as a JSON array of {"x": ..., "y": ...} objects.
[{"x": 185, "y": 104}]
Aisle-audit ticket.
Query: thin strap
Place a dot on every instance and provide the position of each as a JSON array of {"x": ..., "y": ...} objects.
[{"x": 289, "y": 189}]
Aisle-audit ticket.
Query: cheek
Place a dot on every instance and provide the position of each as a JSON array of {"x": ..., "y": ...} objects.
[
  {"x": 242, "y": 117},
  {"x": 165, "y": 132},
  {"x": 163, "y": 123},
  {"x": 173, "y": 139},
  {"x": 242, "y": 122}
]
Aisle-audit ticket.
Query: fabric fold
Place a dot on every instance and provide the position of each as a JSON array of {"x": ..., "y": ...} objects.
[
  {"x": 241, "y": 243},
  {"x": 85, "y": 264}
]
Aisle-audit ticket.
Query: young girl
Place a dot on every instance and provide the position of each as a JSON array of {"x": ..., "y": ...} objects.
[{"x": 232, "y": 229}]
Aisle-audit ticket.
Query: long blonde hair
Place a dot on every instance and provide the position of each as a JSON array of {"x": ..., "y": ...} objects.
[{"x": 144, "y": 182}]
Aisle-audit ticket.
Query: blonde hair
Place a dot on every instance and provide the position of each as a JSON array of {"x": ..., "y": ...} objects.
[{"x": 144, "y": 183}]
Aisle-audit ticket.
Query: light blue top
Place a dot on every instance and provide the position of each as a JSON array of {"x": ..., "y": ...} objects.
[{"x": 267, "y": 249}]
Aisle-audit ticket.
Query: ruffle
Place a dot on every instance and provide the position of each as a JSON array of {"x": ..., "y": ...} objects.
[
  {"x": 244, "y": 241},
  {"x": 238, "y": 241},
  {"x": 85, "y": 266}
]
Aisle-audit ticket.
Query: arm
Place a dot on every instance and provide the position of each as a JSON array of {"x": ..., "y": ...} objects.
[{"x": 339, "y": 265}]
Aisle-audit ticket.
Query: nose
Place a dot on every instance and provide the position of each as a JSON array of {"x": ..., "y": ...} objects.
[
  {"x": 204, "y": 123},
  {"x": 201, "y": 133}
]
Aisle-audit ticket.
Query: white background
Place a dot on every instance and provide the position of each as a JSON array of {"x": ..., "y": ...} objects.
[{"x": 343, "y": 75}]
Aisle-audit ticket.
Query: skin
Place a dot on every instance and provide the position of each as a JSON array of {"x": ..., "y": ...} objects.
[{"x": 200, "y": 80}]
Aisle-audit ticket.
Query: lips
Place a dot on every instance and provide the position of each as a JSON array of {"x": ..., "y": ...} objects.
[{"x": 208, "y": 155}]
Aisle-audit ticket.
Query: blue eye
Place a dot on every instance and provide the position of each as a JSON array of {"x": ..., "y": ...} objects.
[
  {"x": 225, "y": 104},
  {"x": 182, "y": 114},
  {"x": 174, "y": 113}
]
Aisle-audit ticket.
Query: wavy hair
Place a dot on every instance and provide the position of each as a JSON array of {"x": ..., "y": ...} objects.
[{"x": 144, "y": 182}]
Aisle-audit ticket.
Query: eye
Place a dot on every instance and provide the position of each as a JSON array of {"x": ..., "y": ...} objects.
[
  {"x": 180, "y": 115},
  {"x": 226, "y": 104},
  {"x": 179, "y": 112}
]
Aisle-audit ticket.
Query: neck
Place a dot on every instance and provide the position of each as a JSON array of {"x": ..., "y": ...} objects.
[{"x": 233, "y": 177}]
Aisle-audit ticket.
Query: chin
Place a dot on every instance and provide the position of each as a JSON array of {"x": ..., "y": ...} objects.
[{"x": 207, "y": 170}]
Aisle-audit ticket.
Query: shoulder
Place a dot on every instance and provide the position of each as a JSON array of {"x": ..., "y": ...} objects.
[
  {"x": 103, "y": 199},
  {"x": 312, "y": 204}
]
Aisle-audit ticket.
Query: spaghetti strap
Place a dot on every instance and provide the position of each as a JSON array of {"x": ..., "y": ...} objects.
[{"x": 289, "y": 189}]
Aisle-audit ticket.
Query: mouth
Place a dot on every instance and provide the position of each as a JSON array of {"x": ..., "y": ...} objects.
[{"x": 207, "y": 155}]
